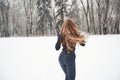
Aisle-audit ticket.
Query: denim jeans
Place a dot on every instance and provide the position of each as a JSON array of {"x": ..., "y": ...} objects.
[{"x": 67, "y": 62}]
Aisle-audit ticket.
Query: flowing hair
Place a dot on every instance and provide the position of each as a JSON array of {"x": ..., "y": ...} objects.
[{"x": 70, "y": 35}]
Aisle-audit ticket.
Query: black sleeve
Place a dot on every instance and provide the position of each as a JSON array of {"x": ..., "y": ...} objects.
[
  {"x": 82, "y": 44},
  {"x": 58, "y": 44}
]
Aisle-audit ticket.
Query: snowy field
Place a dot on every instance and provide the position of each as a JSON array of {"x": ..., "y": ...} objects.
[{"x": 35, "y": 58}]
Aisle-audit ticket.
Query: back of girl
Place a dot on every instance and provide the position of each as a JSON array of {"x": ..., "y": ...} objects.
[{"x": 68, "y": 37}]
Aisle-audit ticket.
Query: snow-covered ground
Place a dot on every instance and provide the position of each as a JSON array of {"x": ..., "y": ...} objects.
[{"x": 35, "y": 58}]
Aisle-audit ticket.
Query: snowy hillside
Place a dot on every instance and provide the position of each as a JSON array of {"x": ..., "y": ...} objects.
[{"x": 35, "y": 58}]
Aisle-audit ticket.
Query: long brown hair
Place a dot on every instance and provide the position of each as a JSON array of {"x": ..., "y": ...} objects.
[{"x": 70, "y": 34}]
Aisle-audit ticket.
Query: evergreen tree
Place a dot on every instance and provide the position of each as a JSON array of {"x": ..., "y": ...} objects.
[
  {"x": 45, "y": 19},
  {"x": 61, "y": 11}
]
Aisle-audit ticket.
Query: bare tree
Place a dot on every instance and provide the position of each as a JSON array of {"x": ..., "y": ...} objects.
[
  {"x": 4, "y": 18},
  {"x": 16, "y": 21},
  {"x": 105, "y": 16},
  {"x": 28, "y": 8},
  {"x": 103, "y": 9},
  {"x": 85, "y": 10},
  {"x": 117, "y": 17},
  {"x": 88, "y": 10}
]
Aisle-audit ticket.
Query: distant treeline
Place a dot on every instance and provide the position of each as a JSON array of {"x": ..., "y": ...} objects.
[{"x": 45, "y": 17}]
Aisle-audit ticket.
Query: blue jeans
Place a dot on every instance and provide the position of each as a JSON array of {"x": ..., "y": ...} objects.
[{"x": 67, "y": 62}]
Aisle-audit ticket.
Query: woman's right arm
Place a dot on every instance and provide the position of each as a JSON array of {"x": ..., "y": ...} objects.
[{"x": 82, "y": 43}]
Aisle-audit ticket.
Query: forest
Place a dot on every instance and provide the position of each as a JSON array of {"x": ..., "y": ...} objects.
[{"x": 26, "y": 18}]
